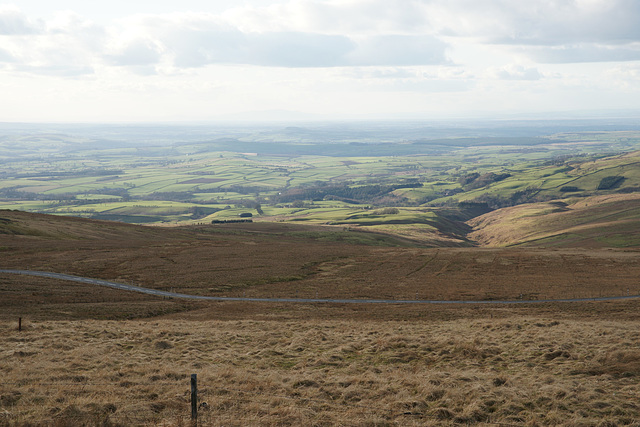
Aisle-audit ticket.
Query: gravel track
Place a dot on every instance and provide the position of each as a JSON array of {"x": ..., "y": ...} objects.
[{"x": 159, "y": 293}]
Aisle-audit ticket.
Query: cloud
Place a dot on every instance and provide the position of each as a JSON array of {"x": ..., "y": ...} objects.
[
  {"x": 196, "y": 48},
  {"x": 300, "y": 33},
  {"x": 57, "y": 70},
  {"x": 399, "y": 50},
  {"x": 326, "y": 33},
  {"x": 6, "y": 56},
  {"x": 14, "y": 22},
  {"x": 413, "y": 79},
  {"x": 631, "y": 73},
  {"x": 380, "y": 73},
  {"x": 558, "y": 31},
  {"x": 346, "y": 17},
  {"x": 562, "y": 31},
  {"x": 136, "y": 52},
  {"x": 297, "y": 50},
  {"x": 538, "y": 22},
  {"x": 65, "y": 45},
  {"x": 625, "y": 78},
  {"x": 191, "y": 41},
  {"x": 515, "y": 72},
  {"x": 583, "y": 53}
]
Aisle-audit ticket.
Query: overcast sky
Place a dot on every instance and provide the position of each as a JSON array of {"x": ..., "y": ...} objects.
[{"x": 190, "y": 60}]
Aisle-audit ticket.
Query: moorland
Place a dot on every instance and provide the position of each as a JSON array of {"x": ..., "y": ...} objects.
[{"x": 414, "y": 220}]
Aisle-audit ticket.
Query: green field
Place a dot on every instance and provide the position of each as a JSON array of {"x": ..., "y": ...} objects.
[{"x": 346, "y": 182}]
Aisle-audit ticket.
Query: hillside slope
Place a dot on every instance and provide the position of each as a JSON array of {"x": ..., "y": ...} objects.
[
  {"x": 598, "y": 221},
  {"x": 279, "y": 260},
  {"x": 531, "y": 182},
  {"x": 31, "y": 225}
]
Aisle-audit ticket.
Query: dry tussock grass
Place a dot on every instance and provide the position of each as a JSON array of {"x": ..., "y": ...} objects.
[{"x": 519, "y": 370}]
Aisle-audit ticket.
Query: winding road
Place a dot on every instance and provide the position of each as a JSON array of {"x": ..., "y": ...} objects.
[{"x": 159, "y": 293}]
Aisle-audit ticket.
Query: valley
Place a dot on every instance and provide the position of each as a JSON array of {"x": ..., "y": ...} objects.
[{"x": 420, "y": 189}]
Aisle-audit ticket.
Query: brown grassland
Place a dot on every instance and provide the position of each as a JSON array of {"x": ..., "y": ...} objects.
[
  {"x": 587, "y": 222},
  {"x": 97, "y": 356}
]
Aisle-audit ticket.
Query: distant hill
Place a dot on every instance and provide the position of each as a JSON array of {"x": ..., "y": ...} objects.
[
  {"x": 554, "y": 179},
  {"x": 598, "y": 221}
]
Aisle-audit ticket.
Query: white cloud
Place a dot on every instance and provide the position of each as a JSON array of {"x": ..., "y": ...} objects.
[
  {"x": 314, "y": 54},
  {"x": 563, "y": 31},
  {"x": 14, "y": 22},
  {"x": 5, "y": 56},
  {"x": 515, "y": 72},
  {"x": 314, "y": 33},
  {"x": 347, "y": 17},
  {"x": 52, "y": 69},
  {"x": 380, "y": 72},
  {"x": 192, "y": 40},
  {"x": 583, "y": 52},
  {"x": 62, "y": 46},
  {"x": 404, "y": 79},
  {"x": 625, "y": 77},
  {"x": 538, "y": 22},
  {"x": 399, "y": 50},
  {"x": 137, "y": 52}
]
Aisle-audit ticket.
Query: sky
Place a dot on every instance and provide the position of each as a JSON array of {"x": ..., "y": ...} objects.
[{"x": 196, "y": 60}]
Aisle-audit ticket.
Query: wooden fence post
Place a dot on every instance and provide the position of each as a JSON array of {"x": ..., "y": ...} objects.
[
  {"x": 19, "y": 324},
  {"x": 194, "y": 399}
]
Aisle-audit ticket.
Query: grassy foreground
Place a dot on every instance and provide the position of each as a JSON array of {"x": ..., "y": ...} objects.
[{"x": 521, "y": 370}]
